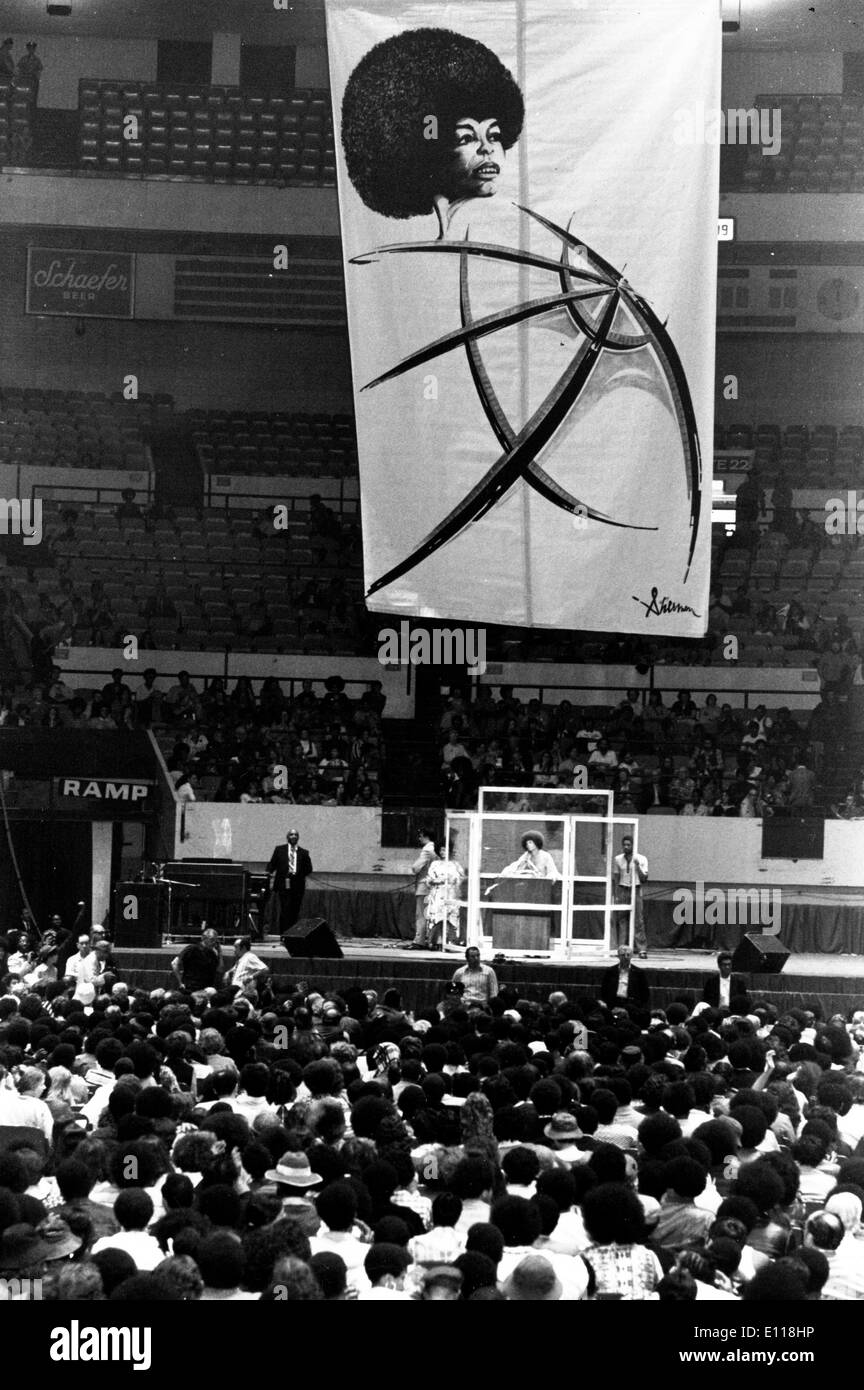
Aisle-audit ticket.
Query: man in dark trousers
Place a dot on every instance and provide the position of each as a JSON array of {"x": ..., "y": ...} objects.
[
  {"x": 724, "y": 987},
  {"x": 199, "y": 965},
  {"x": 289, "y": 868},
  {"x": 624, "y": 985}
]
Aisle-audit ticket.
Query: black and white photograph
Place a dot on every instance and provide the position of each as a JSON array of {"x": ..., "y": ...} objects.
[{"x": 431, "y": 438}]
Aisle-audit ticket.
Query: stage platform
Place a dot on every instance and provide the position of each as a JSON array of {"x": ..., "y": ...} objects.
[
  {"x": 835, "y": 982},
  {"x": 828, "y": 920}
]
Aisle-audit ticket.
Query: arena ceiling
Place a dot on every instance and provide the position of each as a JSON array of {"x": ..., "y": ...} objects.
[
  {"x": 797, "y": 24},
  {"x": 168, "y": 19}
]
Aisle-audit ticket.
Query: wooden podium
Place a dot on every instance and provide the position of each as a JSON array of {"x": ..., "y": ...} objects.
[{"x": 529, "y": 930}]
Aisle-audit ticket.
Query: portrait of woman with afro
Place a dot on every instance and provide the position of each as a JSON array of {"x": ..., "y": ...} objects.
[{"x": 427, "y": 119}]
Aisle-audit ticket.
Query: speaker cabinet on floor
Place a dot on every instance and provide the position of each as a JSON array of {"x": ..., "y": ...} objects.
[
  {"x": 311, "y": 936},
  {"x": 757, "y": 954}
]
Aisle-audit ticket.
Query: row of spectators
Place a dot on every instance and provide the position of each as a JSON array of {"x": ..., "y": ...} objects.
[
  {"x": 810, "y": 630},
  {"x": 230, "y": 1142},
  {"x": 235, "y": 743},
  {"x": 704, "y": 759},
  {"x": 230, "y": 744}
]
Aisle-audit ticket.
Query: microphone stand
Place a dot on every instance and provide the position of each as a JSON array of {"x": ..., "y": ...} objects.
[{"x": 171, "y": 883}]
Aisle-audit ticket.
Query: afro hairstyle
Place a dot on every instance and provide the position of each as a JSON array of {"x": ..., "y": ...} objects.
[{"x": 392, "y": 91}]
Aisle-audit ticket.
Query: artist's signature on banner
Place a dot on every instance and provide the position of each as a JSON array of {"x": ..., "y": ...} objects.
[{"x": 657, "y": 607}]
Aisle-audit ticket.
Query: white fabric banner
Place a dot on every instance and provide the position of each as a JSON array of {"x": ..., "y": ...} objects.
[{"x": 529, "y": 199}]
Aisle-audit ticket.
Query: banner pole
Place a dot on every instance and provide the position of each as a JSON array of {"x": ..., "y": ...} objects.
[{"x": 524, "y": 330}]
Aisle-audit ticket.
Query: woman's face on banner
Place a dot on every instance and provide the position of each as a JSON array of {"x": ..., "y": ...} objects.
[{"x": 477, "y": 159}]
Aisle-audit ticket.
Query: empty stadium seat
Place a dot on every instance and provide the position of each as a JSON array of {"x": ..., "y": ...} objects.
[{"x": 195, "y": 131}]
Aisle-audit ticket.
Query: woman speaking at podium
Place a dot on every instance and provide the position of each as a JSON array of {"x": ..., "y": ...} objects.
[
  {"x": 530, "y": 928},
  {"x": 535, "y": 862}
]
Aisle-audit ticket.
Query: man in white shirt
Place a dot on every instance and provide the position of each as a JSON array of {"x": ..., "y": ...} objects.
[
  {"x": 521, "y": 1166},
  {"x": 629, "y": 872},
  {"x": 518, "y": 1221},
  {"x": 453, "y": 748},
  {"x": 479, "y": 982},
  {"x": 83, "y": 968},
  {"x": 385, "y": 1267},
  {"x": 589, "y": 736},
  {"x": 247, "y": 966},
  {"x": 336, "y": 1205},
  {"x": 20, "y": 1106},
  {"x": 20, "y": 963},
  {"x": 850, "y": 1127},
  {"x": 604, "y": 757},
  {"x": 252, "y": 1098},
  {"x": 134, "y": 1210},
  {"x": 722, "y": 988}
]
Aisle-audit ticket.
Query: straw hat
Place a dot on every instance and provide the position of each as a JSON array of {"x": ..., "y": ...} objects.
[{"x": 293, "y": 1171}]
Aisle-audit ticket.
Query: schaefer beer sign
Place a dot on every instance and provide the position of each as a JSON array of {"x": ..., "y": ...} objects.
[{"x": 85, "y": 284}]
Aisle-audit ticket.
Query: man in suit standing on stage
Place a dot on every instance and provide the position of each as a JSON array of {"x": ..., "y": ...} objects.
[
  {"x": 290, "y": 866},
  {"x": 624, "y": 984},
  {"x": 724, "y": 987}
]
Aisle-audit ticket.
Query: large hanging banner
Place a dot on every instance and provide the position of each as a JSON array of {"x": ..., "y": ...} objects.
[{"x": 529, "y": 200}]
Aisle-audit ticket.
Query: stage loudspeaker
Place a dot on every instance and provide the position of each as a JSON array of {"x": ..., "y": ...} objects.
[
  {"x": 311, "y": 936},
  {"x": 757, "y": 954},
  {"x": 793, "y": 837}
]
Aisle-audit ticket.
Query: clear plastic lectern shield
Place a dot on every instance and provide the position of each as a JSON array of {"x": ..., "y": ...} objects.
[{"x": 540, "y": 876}]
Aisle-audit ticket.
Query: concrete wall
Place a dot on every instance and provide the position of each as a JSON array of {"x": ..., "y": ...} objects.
[
  {"x": 606, "y": 685},
  {"x": 57, "y": 200},
  {"x": 775, "y": 217},
  {"x": 681, "y": 850},
  {"x": 686, "y": 849},
  {"x": 792, "y": 378},
  {"x": 346, "y": 841},
  {"x": 755, "y": 72}
]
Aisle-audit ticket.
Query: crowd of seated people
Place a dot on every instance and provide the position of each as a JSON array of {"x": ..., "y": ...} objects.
[
  {"x": 233, "y": 1137},
  {"x": 703, "y": 759},
  {"x": 230, "y": 744},
  {"x": 309, "y": 751}
]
